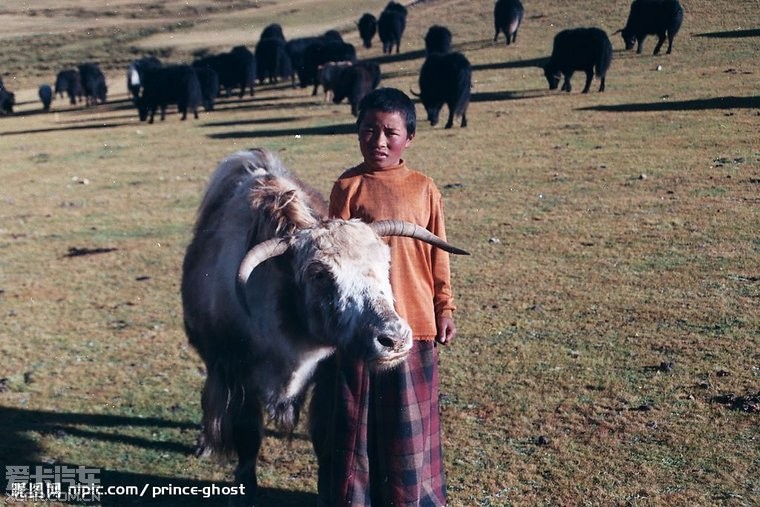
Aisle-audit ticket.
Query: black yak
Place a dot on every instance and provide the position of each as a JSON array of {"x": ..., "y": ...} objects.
[
  {"x": 367, "y": 28},
  {"x": 135, "y": 70},
  {"x": 659, "y": 17},
  {"x": 93, "y": 83},
  {"x": 173, "y": 84},
  {"x": 586, "y": 49},
  {"x": 354, "y": 82},
  {"x": 45, "y": 93},
  {"x": 507, "y": 16},
  {"x": 445, "y": 79},
  {"x": 391, "y": 25},
  {"x": 69, "y": 82}
]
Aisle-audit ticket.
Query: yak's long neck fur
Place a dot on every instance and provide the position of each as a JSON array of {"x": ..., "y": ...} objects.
[
  {"x": 283, "y": 204},
  {"x": 287, "y": 202}
]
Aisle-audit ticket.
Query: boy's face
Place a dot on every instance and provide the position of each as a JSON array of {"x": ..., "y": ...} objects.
[{"x": 383, "y": 138}]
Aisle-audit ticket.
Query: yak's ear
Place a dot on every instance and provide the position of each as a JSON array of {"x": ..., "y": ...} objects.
[{"x": 286, "y": 198}]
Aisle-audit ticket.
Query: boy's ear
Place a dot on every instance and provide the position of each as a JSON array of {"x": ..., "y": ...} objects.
[{"x": 409, "y": 140}]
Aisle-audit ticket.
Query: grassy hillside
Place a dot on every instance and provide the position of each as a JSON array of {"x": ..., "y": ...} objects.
[{"x": 608, "y": 348}]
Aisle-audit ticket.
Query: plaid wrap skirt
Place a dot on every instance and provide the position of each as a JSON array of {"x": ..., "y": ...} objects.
[{"x": 379, "y": 440}]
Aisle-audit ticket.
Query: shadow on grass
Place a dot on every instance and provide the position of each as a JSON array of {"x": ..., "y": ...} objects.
[
  {"x": 259, "y": 121},
  {"x": 516, "y": 64},
  {"x": 397, "y": 57},
  {"x": 326, "y": 130},
  {"x": 729, "y": 102},
  {"x": 731, "y": 34},
  {"x": 19, "y": 448},
  {"x": 94, "y": 126},
  {"x": 104, "y": 119},
  {"x": 507, "y": 95},
  {"x": 248, "y": 106}
]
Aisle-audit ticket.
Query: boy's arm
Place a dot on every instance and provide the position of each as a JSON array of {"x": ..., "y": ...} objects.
[
  {"x": 339, "y": 203},
  {"x": 442, "y": 297}
]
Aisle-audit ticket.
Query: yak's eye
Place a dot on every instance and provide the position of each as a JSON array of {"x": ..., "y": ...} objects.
[{"x": 318, "y": 274}]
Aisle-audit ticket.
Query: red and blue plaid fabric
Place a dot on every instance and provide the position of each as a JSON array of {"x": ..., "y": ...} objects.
[{"x": 382, "y": 439}]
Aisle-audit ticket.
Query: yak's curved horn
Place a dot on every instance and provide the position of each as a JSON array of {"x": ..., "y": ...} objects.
[
  {"x": 258, "y": 254},
  {"x": 617, "y": 31},
  {"x": 410, "y": 230},
  {"x": 413, "y": 92}
]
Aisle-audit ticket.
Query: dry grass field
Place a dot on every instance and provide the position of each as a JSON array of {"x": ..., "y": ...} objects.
[{"x": 609, "y": 316}]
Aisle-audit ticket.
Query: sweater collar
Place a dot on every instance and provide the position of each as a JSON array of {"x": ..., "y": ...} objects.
[{"x": 392, "y": 170}]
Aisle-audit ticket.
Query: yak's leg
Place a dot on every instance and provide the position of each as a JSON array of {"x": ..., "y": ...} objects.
[
  {"x": 450, "y": 123},
  {"x": 566, "y": 85},
  {"x": 464, "y": 119},
  {"x": 601, "y": 86},
  {"x": 248, "y": 431},
  {"x": 589, "y": 77},
  {"x": 660, "y": 41},
  {"x": 670, "y": 43},
  {"x": 640, "y": 41}
]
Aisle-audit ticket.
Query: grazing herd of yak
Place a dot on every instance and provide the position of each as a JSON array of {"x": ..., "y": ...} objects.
[{"x": 326, "y": 60}]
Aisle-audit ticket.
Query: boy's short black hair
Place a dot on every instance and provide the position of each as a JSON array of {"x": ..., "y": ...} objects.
[{"x": 389, "y": 100}]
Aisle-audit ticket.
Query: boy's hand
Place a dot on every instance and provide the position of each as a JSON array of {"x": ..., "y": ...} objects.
[{"x": 447, "y": 330}]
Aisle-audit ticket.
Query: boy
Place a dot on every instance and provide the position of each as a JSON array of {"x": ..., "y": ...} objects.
[{"x": 383, "y": 447}]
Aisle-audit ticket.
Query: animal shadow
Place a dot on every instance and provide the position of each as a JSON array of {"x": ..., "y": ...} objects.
[
  {"x": 731, "y": 34},
  {"x": 18, "y": 448},
  {"x": 729, "y": 102},
  {"x": 325, "y": 130}
]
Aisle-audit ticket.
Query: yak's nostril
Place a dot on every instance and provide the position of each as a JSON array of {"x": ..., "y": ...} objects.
[{"x": 386, "y": 342}]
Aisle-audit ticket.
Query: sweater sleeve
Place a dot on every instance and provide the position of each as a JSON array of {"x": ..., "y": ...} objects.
[
  {"x": 443, "y": 300},
  {"x": 339, "y": 205}
]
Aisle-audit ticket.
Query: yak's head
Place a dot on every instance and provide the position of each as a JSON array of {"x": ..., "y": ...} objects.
[
  {"x": 142, "y": 108},
  {"x": 629, "y": 38},
  {"x": 433, "y": 113},
  {"x": 432, "y": 108},
  {"x": 341, "y": 272},
  {"x": 7, "y": 101},
  {"x": 553, "y": 76},
  {"x": 431, "y": 104}
]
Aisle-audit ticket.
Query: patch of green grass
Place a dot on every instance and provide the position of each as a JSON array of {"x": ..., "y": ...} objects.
[{"x": 663, "y": 261}]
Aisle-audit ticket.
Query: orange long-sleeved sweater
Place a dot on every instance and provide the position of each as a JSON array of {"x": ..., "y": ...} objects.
[{"x": 420, "y": 273}]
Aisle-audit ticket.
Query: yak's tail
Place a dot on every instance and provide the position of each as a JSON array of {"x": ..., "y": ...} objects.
[
  {"x": 464, "y": 88},
  {"x": 676, "y": 17},
  {"x": 605, "y": 55}
]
